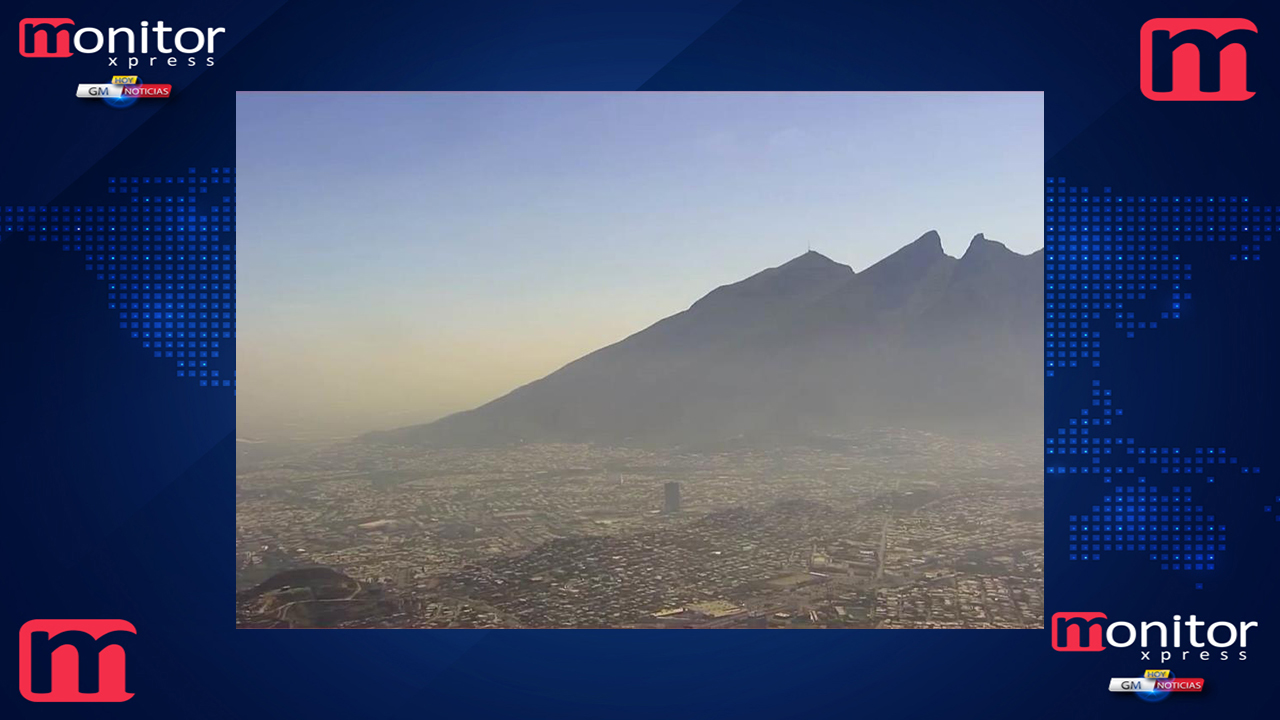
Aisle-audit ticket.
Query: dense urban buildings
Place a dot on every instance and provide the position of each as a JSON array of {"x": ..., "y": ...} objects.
[{"x": 892, "y": 529}]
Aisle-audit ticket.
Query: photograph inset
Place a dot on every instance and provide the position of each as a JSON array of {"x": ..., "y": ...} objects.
[{"x": 640, "y": 360}]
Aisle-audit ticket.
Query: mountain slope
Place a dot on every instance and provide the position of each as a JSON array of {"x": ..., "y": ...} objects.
[{"x": 919, "y": 339}]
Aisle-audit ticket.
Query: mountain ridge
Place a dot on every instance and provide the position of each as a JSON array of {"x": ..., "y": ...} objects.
[{"x": 919, "y": 339}]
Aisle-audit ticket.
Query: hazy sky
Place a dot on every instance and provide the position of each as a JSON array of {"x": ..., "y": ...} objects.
[{"x": 405, "y": 255}]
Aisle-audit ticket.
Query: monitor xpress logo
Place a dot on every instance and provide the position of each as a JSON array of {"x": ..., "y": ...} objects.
[
  {"x": 1084, "y": 632},
  {"x": 1197, "y": 59},
  {"x": 74, "y": 660},
  {"x": 143, "y": 46}
]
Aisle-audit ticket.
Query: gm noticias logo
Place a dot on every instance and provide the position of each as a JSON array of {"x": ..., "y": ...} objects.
[
  {"x": 1197, "y": 59},
  {"x": 74, "y": 660}
]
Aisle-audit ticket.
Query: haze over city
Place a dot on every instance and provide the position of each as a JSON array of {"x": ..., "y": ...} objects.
[
  {"x": 409, "y": 256},
  {"x": 640, "y": 361}
]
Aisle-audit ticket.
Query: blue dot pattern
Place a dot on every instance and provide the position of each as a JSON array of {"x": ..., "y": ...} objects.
[
  {"x": 164, "y": 247},
  {"x": 1113, "y": 262}
]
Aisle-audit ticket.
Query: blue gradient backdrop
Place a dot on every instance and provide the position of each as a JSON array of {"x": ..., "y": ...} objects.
[{"x": 119, "y": 474}]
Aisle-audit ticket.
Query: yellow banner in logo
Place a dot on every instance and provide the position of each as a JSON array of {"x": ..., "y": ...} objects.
[
  {"x": 1159, "y": 674},
  {"x": 124, "y": 79}
]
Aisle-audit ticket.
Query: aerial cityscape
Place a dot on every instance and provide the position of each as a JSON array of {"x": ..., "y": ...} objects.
[
  {"x": 775, "y": 512},
  {"x": 537, "y": 361},
  {"x": 889, "y": 529}
]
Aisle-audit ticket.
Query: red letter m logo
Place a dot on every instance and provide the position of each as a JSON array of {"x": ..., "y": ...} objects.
[
  {"x": 40, "y": 37},
  {"x": 1197, "y": 59},
  {"x": 1077, "y": 632},
  {"x": 74, "y": 660}
]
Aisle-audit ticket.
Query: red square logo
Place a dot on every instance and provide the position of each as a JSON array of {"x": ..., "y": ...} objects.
[
  {"x": 1197, "y": 59},
  {"x": 44, "y": 37},
  {"x": 1077, "y": 631},
  {"x": 74, "y": 660}
]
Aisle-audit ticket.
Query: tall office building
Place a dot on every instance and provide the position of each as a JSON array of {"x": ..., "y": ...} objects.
[{"x": 671, "y": 497}]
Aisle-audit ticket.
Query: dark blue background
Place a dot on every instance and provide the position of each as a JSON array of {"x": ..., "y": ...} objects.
[{"x": 120, "y": 475}]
